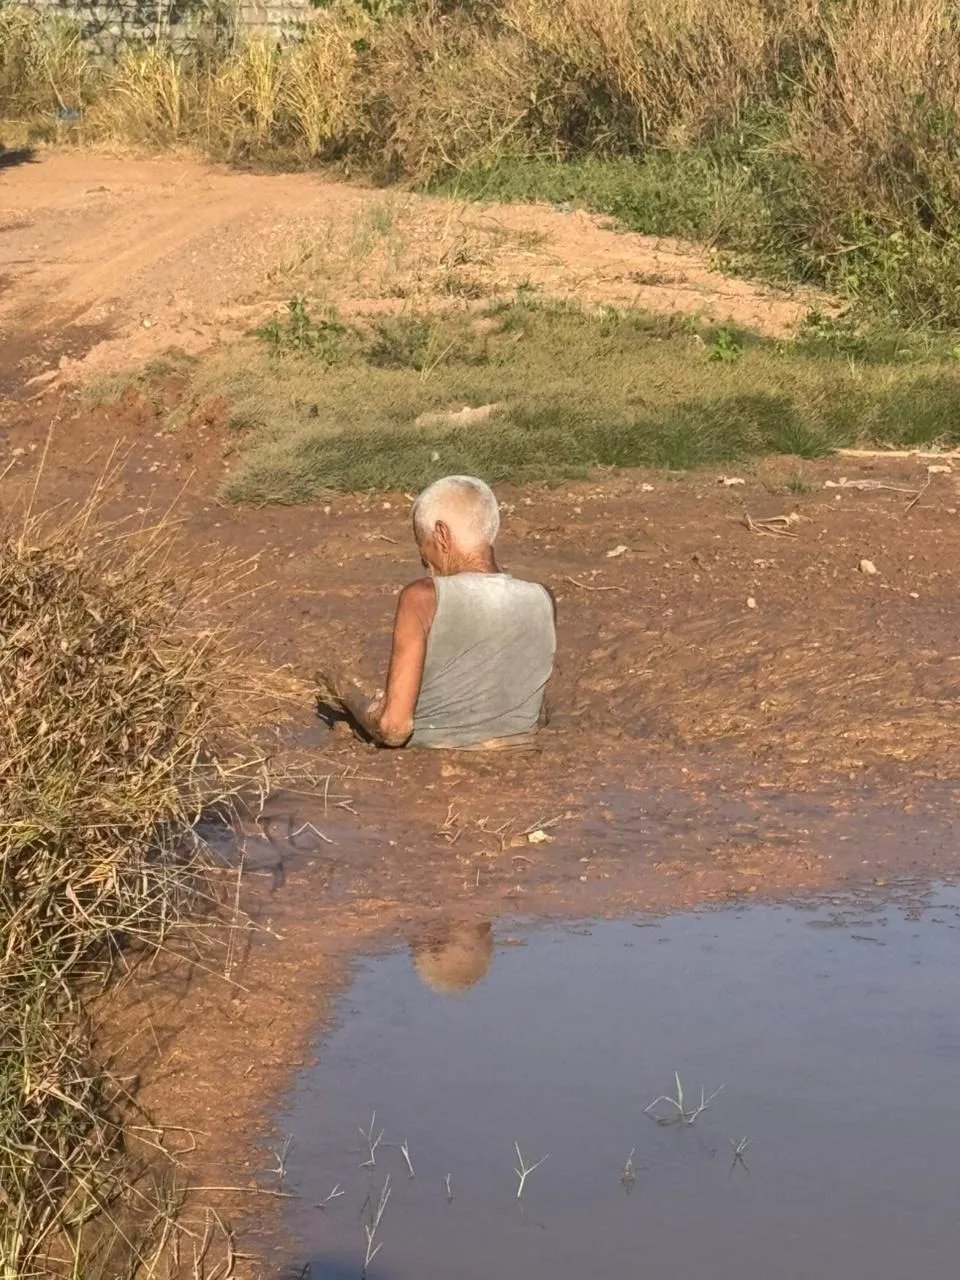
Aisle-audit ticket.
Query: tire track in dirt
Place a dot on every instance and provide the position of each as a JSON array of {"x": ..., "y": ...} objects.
[{"x": 176, "y": 252}]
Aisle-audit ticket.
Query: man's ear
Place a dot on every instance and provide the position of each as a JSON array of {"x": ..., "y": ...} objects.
[{"x": 442, "y": 537}]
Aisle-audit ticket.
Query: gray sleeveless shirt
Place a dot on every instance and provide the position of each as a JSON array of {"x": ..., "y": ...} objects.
[{"x": 489, "y": 656}]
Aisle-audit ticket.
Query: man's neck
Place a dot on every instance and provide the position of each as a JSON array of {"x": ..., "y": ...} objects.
[{"x": 475, "y": 562}]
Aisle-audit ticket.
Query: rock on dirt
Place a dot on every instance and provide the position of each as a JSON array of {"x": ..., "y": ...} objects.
[{"x": 467, "y": 416}]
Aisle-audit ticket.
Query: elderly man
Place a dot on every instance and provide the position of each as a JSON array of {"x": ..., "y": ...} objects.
[{"x": 473, "y": 647}]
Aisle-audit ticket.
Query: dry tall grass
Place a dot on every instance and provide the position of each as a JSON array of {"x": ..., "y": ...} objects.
[
  {"x": 43, "y": 63},
  {"x": 109, "y": 708},
  {"x": 248, "y": 101},
  {"x": 837, "y": 117}
]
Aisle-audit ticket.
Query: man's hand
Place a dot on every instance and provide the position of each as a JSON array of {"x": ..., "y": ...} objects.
[
  {"x": 389, "y": 720},
  {"x": 364, "y": 711},
  {"x": 342, "y": 692},
  {"x": 331, "y": 682}
]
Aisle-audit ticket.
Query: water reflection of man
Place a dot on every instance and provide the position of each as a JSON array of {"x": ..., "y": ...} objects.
[{"x": 453, "y": 957}]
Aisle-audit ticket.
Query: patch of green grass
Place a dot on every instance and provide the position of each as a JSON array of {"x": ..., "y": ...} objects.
[
  {"x": 574, "y": 390},
  {"x": 917, "y": 411},
  {"x": 824, "y": 336},
  {"x": 111, "y": 388},
  {"x": 750, "y": 200},
  {"x": 417, "y": 342},
  {"x": 301, "y": 332},
  {"x": 716, "y": 194},
  {"x": 527, "y": 445}
]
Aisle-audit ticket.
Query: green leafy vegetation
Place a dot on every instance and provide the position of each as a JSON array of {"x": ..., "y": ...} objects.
[
  {"x": 530, "y": 390},
  {"x": 300, "y": 333},
  {"x": 725, "y": 348}
]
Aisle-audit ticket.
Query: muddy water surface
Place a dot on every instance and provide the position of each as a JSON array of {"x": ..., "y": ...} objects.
[{"x": 833, "y": 1030}]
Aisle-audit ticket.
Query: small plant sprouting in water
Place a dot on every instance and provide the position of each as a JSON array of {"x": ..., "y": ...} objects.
[
  {"x": 405, "y": 1152},
  {"x": 300, "y": 333},
  {"x": 280, "y": 1155},
  {"x": 446, "y": 1183},
  {"x": 628, "y": 1175},
  {"x": 371, "y": 1141},
  {"x": 524, "y": 1170},
  {"x": 681, "y": 1114},
  {"x": 738, "y": 1149},
  {"x": 335, "y": 1194},
  {"x": 372, "y": 1226}
]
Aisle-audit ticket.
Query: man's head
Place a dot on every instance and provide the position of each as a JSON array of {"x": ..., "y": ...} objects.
[
  {"x": 454, "y": 957},
  {"x": 455, "y": 523}
]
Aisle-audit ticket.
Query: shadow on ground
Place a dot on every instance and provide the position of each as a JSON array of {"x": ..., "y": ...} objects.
[{"x": 13, "y": 156}]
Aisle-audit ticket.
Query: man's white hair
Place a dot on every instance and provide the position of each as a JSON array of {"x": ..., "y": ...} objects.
[{"x": 466, "y": 505}]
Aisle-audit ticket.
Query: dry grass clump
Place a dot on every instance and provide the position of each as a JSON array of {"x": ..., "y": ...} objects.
[
  {"x": 607, "y": 77},
  {"x": 661, "y": 73},
  {"x": 250, "y": 99},
  {"x": 109, "y": 708},
  {"x": 43, "y": 63},
  {"x": 874, "y": 133}
]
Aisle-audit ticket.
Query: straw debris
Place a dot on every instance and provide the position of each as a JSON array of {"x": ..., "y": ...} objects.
[{"x": 108, "y": 711}]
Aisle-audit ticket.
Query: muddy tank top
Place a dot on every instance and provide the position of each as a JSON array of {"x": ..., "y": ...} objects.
[{"x": 489, "y": 656}]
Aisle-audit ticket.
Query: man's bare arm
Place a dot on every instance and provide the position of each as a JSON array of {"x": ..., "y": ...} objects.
[
  {"x": 389, "y": 720},
  {"x": 546, "y": 707},
  {"x": 415, "y": 612}
]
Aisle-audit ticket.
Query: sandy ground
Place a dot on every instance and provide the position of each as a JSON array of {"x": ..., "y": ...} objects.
[
  {"x": 107, "y": 261},
  {"x": 737, "y": 713}
]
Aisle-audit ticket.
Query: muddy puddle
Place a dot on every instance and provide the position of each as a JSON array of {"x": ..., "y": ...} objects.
[{"x": 833, "y": 1030}]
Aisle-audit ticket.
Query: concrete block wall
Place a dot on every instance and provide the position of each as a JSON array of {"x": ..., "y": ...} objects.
[
  {"x": 285, "y": 17},
  {"x": 108, "y": 24}
]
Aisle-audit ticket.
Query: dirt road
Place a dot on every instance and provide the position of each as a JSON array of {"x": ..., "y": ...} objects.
[{"x": 106, "y": 261}]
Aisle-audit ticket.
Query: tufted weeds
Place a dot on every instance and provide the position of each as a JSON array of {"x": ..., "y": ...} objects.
[{"x": 112, "y": 748}]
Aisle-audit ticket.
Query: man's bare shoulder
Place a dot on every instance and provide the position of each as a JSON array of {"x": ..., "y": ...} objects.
[
  {"x": 418, "y": 600},
  {"x": 419, "y": 593}
]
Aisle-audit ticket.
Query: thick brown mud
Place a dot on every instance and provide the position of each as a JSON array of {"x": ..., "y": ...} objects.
[{"x": 701, "y": 749}]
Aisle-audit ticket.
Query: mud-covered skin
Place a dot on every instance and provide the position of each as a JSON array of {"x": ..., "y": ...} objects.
[{"x": 340, "y": 693}]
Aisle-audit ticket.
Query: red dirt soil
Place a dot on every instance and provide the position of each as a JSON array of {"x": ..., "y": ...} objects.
[{"x": 143, "y": 255}]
